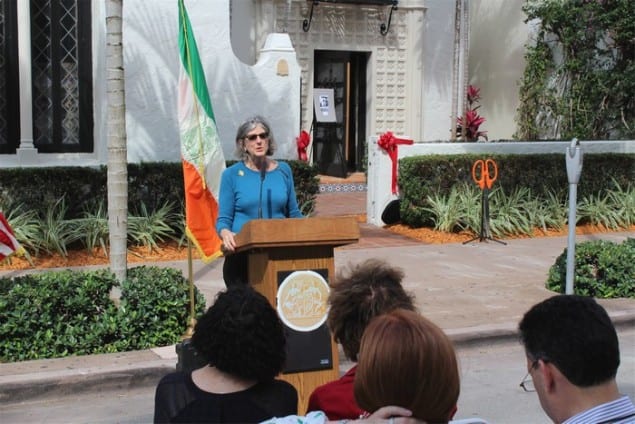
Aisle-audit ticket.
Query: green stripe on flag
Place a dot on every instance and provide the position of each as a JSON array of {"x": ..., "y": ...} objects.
[{"x": 191, "y": 60}]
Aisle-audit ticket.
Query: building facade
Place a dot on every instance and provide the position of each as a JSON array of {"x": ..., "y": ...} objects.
[{"x": 382, "y": 65}]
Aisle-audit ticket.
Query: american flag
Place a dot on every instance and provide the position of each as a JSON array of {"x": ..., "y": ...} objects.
[{"x": 8, "y": 243}]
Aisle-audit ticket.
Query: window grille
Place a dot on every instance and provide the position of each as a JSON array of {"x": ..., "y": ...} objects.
[
  {"x": 9, "y": 82},
  {"x": 62, "y": 75}
]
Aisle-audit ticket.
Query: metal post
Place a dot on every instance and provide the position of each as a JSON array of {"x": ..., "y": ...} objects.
[
  {"x": 574, "y": 169},
  {"x": 188, "y": 359},
  {"x": 190, "y": 279}
]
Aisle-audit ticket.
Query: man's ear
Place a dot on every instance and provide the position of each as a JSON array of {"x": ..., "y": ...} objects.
[{"x": 550, "y": 376}]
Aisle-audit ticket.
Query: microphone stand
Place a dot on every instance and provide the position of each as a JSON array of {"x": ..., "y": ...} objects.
[{"x": 263, "y": 172}]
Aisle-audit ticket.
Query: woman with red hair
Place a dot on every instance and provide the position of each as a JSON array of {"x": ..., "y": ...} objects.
[
  {"x": 406, "y": 360},
  {"x": 407, "y": 372}
]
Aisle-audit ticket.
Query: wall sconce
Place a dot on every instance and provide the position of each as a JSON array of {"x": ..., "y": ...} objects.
[
  {"x": 306, "y": 24},
  {"x": 383, "y": 28}
]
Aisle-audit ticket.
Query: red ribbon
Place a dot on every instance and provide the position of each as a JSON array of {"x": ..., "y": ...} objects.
[
  {"x": 302, "y": 142},
  {"x": 389, "y": 143}
]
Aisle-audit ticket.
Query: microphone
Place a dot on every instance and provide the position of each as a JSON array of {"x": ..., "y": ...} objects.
[{"x": 263, "y": 172}]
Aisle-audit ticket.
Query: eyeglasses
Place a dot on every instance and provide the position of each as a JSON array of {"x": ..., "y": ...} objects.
[
  {"x": 528, "y": 383},
  {"x": 262, "y": 136}
]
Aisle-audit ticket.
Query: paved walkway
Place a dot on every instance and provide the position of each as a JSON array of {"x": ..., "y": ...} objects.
[
  {"x": 354, "y": 203},
  {"x": 476, "y": 292}
]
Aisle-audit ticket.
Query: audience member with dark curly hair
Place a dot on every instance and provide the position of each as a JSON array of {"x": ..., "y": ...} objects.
[
  {"x": 358, "y": 295},
  {"x": 243, "y": 341}
]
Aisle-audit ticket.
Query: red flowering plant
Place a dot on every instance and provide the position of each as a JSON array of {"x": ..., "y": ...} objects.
[
  {"x": 472, "y": 119},
  {"x": 302, "y": 141}
]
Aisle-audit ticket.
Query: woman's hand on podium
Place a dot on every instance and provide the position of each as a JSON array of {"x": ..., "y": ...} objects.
[{"x": 229, "y": 243}]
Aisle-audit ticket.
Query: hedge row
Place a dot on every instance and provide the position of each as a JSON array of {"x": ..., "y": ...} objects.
[
  {"x": 423, "y": 176},
  {"x": 61, "y": 313},
  {"x": 149, "y": 184}
]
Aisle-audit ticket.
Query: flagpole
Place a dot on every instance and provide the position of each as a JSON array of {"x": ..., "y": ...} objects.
[
  {"x": 201, "y": 151},
  {"x": 192, "y": 321}
]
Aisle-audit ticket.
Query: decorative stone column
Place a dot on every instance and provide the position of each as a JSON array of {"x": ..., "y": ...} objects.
[{"x": 26, "y": 152}]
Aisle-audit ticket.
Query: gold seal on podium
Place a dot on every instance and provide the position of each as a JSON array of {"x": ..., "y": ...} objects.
[{"x": 302, "y": 300}]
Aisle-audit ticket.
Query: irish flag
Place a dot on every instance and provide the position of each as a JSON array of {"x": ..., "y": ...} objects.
[{"x": 201, "y": 151}]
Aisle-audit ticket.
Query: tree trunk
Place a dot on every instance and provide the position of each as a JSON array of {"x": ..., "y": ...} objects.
[{"x": 117, "y": 151}]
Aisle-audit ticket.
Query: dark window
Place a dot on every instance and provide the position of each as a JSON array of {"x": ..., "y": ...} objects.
[
  {"x": 9, "y": 82},
  {"x": 62, "y": 75}
]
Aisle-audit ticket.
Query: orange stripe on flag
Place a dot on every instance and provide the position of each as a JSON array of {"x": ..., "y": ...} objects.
[{"x": 201, "y": 211}]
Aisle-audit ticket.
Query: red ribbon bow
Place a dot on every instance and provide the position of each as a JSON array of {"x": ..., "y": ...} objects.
[
  {"x": 389, "y": 143},
  {"x": 302, "y": 142}
]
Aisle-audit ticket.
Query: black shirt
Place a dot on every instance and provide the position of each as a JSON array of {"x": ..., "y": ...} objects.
[{"x": 179, "y": 400}]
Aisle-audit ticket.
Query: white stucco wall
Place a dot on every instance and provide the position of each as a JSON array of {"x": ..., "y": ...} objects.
[
  {"x": 243, "y": 31},
  {"x": 438, "y": 45},
  {"x": 496, "y": 61},
  {"x": 243, "y": 81},
  {"x": 237, "y": 90}
]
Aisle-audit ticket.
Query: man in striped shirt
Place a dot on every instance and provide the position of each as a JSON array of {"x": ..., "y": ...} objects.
[{"x": 572, "y": 358}]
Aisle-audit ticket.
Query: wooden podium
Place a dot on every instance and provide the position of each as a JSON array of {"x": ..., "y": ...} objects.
[{"x": 279, "y": 247}]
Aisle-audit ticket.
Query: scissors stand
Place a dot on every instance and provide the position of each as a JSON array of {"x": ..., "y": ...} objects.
[{"x": 485, "y": 233}]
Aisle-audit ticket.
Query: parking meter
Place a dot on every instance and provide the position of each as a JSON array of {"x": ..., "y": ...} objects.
[
  {"x": 574, "y": 169},
  {"x": 574, "y": 161}
]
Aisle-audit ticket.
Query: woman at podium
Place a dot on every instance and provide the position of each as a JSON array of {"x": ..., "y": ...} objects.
[{"x": 255, "y": 187}]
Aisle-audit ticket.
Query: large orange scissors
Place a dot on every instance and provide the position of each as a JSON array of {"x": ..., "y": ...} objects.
[{"x": 484, "y": 173}]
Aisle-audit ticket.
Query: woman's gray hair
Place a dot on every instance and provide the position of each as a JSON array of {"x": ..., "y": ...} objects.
[{"x": 244, "y": 129}]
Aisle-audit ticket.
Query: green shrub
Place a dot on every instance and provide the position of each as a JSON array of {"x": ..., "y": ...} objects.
[
  {"x": 93, "y": 229},
  {"x": 155, "y": 306},
  {"x": 510, "y": 213},
  {"x": 579, "y": 75},
  {"x": 449, "y": 212},
  {"x": 56, "y": 232},
  {"x": 603, "y": 269},
  {"x": 307, "y": 185},
  {"x": 62, "y": 313},
  {"x": 150, "y": 228},
  {"x": 54, "y": 314},
  {"x": 38, "y": 189},
  {"x": 153, "y": 184},
  {"x": 155, "y": 205},
  {"x": 421, "y": 177},
  {"x": 25, "y": 225}
]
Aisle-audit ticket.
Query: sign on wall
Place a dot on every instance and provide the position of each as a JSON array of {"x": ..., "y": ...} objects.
[{"x": 324, "y": 105}]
